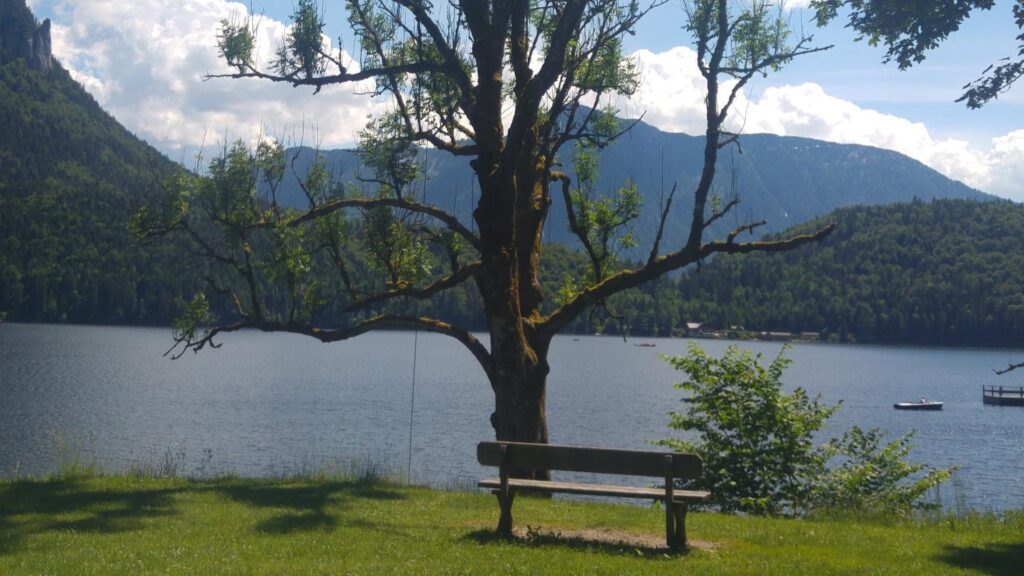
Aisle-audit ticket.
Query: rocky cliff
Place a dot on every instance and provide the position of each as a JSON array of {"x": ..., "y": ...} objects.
[{"x": 22, "y": 37}]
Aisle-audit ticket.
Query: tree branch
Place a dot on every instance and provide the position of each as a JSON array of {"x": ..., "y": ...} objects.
[
  {"x": 449, "y": 220},
  {"x": 453, "y": 66},
  {"x": 1009, "y": 368},
  {"x": 319, "y": 82},
  {"x": 450, "y": 281},
  {"x": 661, "y": 225},
  {"x": 626, "y": 279},
  {"x": 382, "y": 322}
]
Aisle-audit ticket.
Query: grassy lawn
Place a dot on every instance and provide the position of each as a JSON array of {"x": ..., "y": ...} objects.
[{"x": 138, "y": 525}]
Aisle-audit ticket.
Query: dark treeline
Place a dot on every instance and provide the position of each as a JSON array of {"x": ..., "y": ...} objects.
[{"x": 946, "y": 272}]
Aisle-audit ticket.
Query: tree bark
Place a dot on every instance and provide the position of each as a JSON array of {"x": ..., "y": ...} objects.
[
  {"x": 510, "y": 216},
  {"x": 520, "y": 396}
]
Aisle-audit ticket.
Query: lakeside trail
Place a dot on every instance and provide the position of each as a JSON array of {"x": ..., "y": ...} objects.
[{"x": 85, "y": 524}]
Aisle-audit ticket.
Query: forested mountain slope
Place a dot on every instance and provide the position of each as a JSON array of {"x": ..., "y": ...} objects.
[
  {"x": 944, "y": 272},
  {"x": 69, "y": 174}
]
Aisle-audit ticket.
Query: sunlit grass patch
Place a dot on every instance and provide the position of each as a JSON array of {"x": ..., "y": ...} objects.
[{"x": 85, "y": 524}]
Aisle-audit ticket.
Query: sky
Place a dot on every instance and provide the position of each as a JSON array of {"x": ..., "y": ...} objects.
[{"x": 145, "y": 62}]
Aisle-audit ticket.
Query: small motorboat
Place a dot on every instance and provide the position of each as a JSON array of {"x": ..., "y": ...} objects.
[
  {"x": 923, "y": 404},
  {"x": 645, "y": 345}
]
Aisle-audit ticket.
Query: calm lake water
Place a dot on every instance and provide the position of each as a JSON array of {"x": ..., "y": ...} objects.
[{"x": 273, "y": 404}]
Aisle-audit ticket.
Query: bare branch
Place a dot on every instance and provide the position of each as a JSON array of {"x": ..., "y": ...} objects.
[
  {"x": 721, "y": 213},
  {"x": 626, "y": 279},
  {"x": 1009, "y": 368},
  {"x": 661, "y": 225},
  {"x": 454, "y": 279},
  {"x": 319, "y": 82},
  {"x": 746, "y": 73},
  {"x": 382, "y": 322}
]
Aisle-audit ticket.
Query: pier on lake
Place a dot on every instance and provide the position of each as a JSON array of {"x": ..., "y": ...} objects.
[{"x": 1003, "y": 395}]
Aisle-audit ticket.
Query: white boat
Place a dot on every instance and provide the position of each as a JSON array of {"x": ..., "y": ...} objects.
[{"x": 922, "y": 405}]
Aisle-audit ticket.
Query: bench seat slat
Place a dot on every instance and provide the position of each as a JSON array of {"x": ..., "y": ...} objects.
[
  {"x": 587, "y": 459},
  {"x": 596, "y": 489}
]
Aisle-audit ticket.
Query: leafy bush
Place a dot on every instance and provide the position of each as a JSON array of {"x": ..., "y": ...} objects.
[
  {"x": 758, "y": 450},
  {"x": 871, "y": 477},
  {"x": 756, "y": 441}
]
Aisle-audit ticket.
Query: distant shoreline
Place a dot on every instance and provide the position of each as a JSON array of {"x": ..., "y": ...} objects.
[{"x": 730, "y": 336}]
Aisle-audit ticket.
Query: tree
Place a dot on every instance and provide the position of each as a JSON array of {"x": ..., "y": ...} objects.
[
  {"x": 910, "y": 29},
  {"x": 514, "y": 85}
]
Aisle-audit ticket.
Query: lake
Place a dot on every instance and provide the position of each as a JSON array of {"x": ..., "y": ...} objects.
[{"x": 272, "y": 404}]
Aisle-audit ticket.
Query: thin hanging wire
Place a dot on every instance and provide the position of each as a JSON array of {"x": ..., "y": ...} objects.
[
  {"x": 412, "y": 404},
  {"x": 415, "y": 350}
]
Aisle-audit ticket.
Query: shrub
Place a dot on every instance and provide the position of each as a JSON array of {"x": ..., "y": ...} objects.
[
  {"x": 756, "y": 441},
  {"x": 758, "y": 450},
  {"x": 873, "y": 478}
]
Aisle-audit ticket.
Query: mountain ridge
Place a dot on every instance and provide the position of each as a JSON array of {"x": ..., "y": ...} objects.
[{"x": 784, "y": 180}]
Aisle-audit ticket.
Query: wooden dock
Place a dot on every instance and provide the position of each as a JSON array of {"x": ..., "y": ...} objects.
[{"x": 1003, "y": 395}]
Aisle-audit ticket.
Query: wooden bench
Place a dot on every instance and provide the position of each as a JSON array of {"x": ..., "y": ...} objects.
[{"x": 508, "y": 456}]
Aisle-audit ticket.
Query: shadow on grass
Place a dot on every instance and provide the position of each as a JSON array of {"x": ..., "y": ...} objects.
[
  {"x": 597, "y": 542},
  {"x": 1005, "y": 559},
  {"x": 97, "y": 505},
  {"x": 304, "y": 503},
  {"x": 69, "y": 504}
]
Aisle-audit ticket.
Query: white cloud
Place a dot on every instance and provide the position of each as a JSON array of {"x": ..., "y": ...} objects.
[
  {"x": 145, "y": 60},
  {"x": 671, "y": 91},
  {"x": 673, "y": 97},
  {"x": 1007, "y": 164}
]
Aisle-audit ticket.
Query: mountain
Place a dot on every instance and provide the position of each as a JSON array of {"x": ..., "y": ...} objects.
[
  {"x": 784, "y": 180},
  {"x": 947, "y": 272},
  {"x": 69, "y": 178}
]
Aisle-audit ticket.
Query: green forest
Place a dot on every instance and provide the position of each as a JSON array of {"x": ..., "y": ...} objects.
[
  {"x": 70, "y": 177},
  {"x": 943, "y": 272},
  {"x": 946, "y": 272}
]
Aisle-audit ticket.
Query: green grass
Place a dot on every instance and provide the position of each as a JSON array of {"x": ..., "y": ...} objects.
[{"x": 84, "y": 524}]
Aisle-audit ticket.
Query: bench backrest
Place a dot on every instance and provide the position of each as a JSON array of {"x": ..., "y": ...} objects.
[{"x": 584, "y": 459}]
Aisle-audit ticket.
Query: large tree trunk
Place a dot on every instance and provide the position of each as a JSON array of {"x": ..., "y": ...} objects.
[
  {"x": 520, "y": 395},
  {"x": 519, "y": 361},
  {"x": 510, "y": 216}
]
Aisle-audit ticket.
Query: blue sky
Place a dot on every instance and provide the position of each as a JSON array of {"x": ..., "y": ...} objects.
[{"x": 144, "y": 61}]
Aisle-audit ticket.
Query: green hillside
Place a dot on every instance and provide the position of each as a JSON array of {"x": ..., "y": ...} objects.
[
  {"x": 947, "y": 272},
  {"x": 69, "y": 175}
]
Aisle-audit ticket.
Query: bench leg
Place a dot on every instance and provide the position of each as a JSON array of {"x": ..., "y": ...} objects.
[
  {"x": 670, "y": 524},
  {"x": 675, "y": 525},
  {"x": 505, "y": 521}
]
